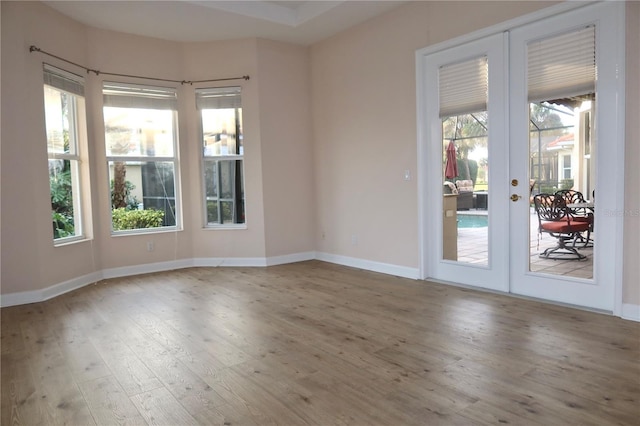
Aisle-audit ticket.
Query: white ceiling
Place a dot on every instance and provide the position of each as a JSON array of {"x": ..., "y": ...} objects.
[{"x": 299, "y": 22}]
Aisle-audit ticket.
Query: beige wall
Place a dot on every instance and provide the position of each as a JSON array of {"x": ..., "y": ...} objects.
[
  {"x": 363, "y": 100},
  {"x": 329, "y": 134},
  {"x": 285, "y": 125}
]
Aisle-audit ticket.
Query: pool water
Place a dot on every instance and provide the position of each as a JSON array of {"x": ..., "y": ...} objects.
[{"x": 472, "y": 221}]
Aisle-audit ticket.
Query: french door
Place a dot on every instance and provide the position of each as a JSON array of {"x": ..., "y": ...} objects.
[
  {"x": 551, "y": 120},
  {"x": 561, "y": 43},
  {"x": 473, "y": 70}
]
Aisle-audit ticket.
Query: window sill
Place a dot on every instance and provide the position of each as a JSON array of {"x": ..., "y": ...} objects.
[
  {"x": 145, "y": 231},
  {"x": 70, "y": 241},
  {"x": 239, "y": 226}
]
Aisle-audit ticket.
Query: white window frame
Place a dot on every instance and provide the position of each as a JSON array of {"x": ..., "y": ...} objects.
[
  {"x": 73, "y": 86},
  {"x": 147, "y": 96},
  {"x": 213, "y": 97},
  {"x": 566, "y": 169}
]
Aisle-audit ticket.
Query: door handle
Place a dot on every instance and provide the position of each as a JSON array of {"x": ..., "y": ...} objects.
[{"x": 515, "y": 197}]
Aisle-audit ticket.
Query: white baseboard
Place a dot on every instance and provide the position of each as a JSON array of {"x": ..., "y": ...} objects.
[
  {"x": 215, "y": 262},
  {"x": 35, "y": 296},
  {"x": 369, "y": 265},
  {"x": 21, "y": 298},
  {"x": 630, "y": 312},
  {"x": 291, "y": 258},
  {"x": 147, "y": 268}
]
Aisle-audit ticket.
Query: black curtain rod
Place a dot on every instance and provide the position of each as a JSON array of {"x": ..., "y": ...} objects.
[{"x": 33, "y": 48}]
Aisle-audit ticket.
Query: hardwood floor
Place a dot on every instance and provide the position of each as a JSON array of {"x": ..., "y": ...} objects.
[{"x": 312, "y": 343}]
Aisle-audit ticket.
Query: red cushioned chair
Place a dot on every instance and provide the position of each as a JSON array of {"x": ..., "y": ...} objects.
[
  {"x": 554, "y": 219},
  {"x": 580, "y": 214}
]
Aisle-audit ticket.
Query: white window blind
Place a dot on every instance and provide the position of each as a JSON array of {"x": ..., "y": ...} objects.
[
  {"x": 562, "y": 66},
  {"x": 218, "y": 98},
  {"x": 136, "y": 96},
  {"x": 63, "y": 80},
  {"x": 463, "y": 87}
]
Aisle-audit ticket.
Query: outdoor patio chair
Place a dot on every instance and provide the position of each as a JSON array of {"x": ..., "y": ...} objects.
[
  {"x": 554, "y": 219},
  {"x": 578, "y": 214},
  {"x": 465, "y": 194}
]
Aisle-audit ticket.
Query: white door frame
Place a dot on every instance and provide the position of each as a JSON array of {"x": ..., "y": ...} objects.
[{"x": 608, "y": 266}]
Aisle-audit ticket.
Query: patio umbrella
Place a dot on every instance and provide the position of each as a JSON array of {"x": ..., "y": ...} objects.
[{"x": 451, "y": 166}]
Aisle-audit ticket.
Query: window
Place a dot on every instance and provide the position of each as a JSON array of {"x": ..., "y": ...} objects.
[
  {"x": 140, "y": 141},
  {"x": 223, "y": 155},
  {"x": 566, "y": 167},
  {"x": 66, "y": 140}
]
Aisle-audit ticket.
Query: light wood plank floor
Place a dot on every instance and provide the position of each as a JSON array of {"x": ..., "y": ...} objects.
[{"x": 312, "y": 343}]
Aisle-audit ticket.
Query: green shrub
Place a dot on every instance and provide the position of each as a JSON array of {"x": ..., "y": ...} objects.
[
  {"x": 548, "y": 188},
  {"x": 566, "y": 184},
  {"x": 136, "y": 219},
  {"x": 62, "y": 225}
]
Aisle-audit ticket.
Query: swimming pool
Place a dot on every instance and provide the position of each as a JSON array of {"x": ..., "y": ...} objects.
[{"x": 472, "y": 220}]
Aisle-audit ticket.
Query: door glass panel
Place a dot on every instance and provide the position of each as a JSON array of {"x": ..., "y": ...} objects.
[
  {"x": 465, "y": 164},
  {"x": 562, "y": 154},
  {"x": 465, "y": 188}
]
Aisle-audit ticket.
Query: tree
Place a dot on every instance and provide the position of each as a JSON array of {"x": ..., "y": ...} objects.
[
  {"x": 119, "y": 144},
  {"x": 123, "y": 198},
  {"x": 468, "y": 132},
  {"x": 542, "y": 116}
]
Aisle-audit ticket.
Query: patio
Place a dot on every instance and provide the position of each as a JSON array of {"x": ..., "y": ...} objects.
[{"x": 473, "y": 248}]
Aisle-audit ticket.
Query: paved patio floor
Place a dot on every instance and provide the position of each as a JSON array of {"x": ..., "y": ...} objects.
[{"x": 473, "y": 248}]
